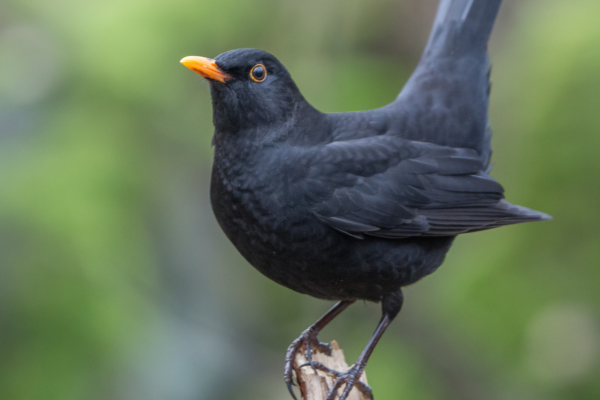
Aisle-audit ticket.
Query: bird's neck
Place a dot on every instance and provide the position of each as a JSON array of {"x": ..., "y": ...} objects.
[{"x": 301, "y": 125}]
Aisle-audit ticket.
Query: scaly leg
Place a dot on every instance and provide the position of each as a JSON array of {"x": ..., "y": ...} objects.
[{"x": 391, "y": 305}]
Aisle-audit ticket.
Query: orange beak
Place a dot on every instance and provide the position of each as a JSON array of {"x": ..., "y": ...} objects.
[{"x": 206, "y": 68}]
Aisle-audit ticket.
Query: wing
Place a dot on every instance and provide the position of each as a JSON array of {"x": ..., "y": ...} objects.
[{"x": 389, "y": 187}]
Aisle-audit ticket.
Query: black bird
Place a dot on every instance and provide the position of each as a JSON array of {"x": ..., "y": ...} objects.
[{"x": 356, "y": 205}]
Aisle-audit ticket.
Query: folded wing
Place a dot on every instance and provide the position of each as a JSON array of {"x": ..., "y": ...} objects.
[{"x": 389, "y": 187}]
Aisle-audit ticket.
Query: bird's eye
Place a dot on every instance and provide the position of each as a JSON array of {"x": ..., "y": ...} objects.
[{"x": 258, "y": 73}]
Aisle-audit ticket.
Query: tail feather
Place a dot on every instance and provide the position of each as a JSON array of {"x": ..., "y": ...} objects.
[
  {"x": 450, "y": 87},
  {"x": 462, "y": 25},
  {"x": 455, "y": 221}
]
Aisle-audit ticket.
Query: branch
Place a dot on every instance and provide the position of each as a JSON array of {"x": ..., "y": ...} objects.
[{"x": 316, "y": 386}]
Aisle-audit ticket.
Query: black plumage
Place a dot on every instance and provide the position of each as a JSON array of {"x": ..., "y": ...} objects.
[{"x": 356, "y": 205}]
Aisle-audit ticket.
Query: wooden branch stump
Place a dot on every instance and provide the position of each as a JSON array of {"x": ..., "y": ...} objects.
[{"x": 316, "y": 386}]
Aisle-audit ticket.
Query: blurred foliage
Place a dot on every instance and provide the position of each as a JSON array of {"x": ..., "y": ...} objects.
[{"x": 116, "y": 283}]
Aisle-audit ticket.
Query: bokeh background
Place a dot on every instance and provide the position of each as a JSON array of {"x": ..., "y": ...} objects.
[{"x": 116, "y": 282}]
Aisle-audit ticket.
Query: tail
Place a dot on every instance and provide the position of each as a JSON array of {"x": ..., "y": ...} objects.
[
  {"x": 450, "y": 87},
  {"x": 454, "y": 221},
  {"x": 462, "y": 26}
]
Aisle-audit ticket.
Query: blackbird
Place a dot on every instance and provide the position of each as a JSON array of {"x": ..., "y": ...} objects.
[{"x": 356, "y": 205}]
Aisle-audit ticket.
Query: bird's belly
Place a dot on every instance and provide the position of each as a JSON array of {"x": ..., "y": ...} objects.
[{"x": 298, "y": 251}]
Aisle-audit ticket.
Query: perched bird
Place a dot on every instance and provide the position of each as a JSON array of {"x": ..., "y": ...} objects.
[{"x": 354, "y": 206}]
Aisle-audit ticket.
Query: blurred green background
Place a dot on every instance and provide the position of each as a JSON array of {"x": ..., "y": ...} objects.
[{"x": 116, "y": 282}]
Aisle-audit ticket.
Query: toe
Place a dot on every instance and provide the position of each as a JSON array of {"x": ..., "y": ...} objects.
[
  {"x": 364, "y": 389},
  {"x": 323, "y": 348},
  {"x": 334, "y": 390},
  {"x": 346, "y": 391}
]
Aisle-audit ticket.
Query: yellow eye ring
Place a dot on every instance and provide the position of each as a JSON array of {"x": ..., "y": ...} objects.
[{"x": 258, "y": 73}]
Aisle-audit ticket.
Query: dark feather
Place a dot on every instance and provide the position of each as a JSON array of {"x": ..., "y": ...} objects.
[{"x": 435, "y": 191}]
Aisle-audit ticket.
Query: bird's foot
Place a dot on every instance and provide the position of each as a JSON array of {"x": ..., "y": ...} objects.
[
  {"x": 350, "y": 378},
  {"x": 311, "y": 343}
]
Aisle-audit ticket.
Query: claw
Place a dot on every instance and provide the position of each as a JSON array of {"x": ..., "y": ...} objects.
[
  {"x": 350, "y": 378},
  {"x": 309, "y": 352},
  {"x": 289, "y": 386},
  {"x": 308, "y": 338},
  {"x": 306, "y": 364}
]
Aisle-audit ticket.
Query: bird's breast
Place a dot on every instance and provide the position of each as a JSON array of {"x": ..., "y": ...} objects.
[
  {"x": 254, "y": 205},
  {"x": 275, "y": 233}
]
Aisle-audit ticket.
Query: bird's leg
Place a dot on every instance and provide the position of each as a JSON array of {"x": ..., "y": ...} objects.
[
  {"x": 391, "y": 305},
  {"x": 311, "y": 342}
]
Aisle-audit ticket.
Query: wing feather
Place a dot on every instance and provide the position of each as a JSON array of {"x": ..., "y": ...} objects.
[{"x": 394, "y": 188}]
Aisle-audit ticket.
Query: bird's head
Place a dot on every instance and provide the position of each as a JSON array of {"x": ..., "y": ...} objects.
[{"x": 250, "y": 89}]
